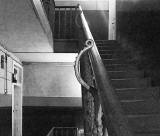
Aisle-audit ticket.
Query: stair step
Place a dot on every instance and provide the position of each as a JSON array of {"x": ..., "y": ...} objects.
[
  {"x": 112, "y": 56},
  {"x": 115, "y": 56},
  {"x": 139, "y": 100},
  {"x": 149, "y": 106},
  {"x": 138, "y": 93},
  {"x": 106, "y": 56},
  {"x": 148, "y": 134},
  {"x": 119, "y": 53},
  {"x": 106, "y": 42},
  {"x": 106, "y": 51},
  {"x": 115, "y": 45},
  {"x": 145, "y": 123},
  {"x": 108, "y": 47},
  {"x": 125, "y": 74},
  {"x": 117, "y": 61},
  {"x": 131, "y": 83},
  {"x": 114, "y": 49},
  {"x": 120, "y": 67},
  {"x": 114, "y": 61}
]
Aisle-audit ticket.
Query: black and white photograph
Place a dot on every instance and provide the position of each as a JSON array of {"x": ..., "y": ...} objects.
[{"x": 79, "y": 67}]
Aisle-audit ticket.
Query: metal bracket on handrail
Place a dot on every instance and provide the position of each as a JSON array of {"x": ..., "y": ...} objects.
[{"x": 89, "y": 44}]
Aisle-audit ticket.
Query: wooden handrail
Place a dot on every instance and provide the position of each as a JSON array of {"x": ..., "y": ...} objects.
[
  {"x": 109, "y": 101},
  {"x": 51, "y": 132}
]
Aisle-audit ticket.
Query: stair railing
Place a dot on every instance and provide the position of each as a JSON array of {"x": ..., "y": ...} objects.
[
  {"x": 65, "y": 22},
  {"x": 111, "y": 106},
  {"x": 63, "y": 131},
  {"x": 50, "y": 133}
]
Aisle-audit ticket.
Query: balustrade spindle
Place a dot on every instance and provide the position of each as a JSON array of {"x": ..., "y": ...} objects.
[{"x": 59, "y": 23}]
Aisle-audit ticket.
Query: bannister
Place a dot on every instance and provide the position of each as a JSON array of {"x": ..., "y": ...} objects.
[
  {"x": 50, "y": 132},
  {"x": 63, "y": 131},
  {"x": 65, "y": 22},
  {"x": 111, "y": 106}
]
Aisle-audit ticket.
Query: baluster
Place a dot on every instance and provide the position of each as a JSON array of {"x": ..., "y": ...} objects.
[
  {"x": 52, "y": 132},
  {"x": 65, "y": 22},
  {"x": 70, "y": 28},
  {"x": 75, "y": 27},
  {"x": 56, "y": 132},
  {"x": 62, "y": 132},
  {"x": 66, "y": 132},
  {"x": 59, "y": 23},
  {"x": 74, "y": 132}
]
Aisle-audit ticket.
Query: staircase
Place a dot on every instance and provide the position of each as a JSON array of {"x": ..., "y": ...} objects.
[{"x": 139, "y": 99}]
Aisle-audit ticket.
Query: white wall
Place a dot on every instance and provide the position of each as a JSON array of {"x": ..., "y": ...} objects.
[
  {"x": 20, "y": 28},
  {"x": 50, "y": 80}
]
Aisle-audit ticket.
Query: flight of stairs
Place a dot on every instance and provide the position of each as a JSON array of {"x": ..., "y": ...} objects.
[{"x": 139, "y": 99}]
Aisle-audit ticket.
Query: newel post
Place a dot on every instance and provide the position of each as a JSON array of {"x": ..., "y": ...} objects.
[{"x": 112, "y": 20}]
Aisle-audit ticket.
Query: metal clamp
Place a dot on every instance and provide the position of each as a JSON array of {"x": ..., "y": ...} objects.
[{"x": 89, "y": 43}]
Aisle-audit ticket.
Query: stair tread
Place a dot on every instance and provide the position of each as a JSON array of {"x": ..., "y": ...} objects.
[
  {"x": 108, "y": 47},
  {"x": 148, "y": 106},
  {"x": 152, "y": 133},
  {"x": 138, "y": 93},
  {"x": 145, "y": 123},
  {"x": 112, "y": 67},
  {"x": 139, "y": 100},
  {"x": 111, "y": 55},
  {"x": 125, "y": 74},
  {"x": 130, "y": 82},
  {"x": 118, "y": 61},
  {"x": 106, "y": 41}
]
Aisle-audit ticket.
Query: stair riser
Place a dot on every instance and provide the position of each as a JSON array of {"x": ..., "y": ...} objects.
[
  {"x": 106, "y": 42},
  {"x": 120, "y": 67},
  {"x": 118, "y": 61},
  {"x": 138, "y": 94},
  {"x": 145, "y": 123},
  {"x": 106, "y": 51},
  {"x": 148, "y": 134},
  {"x": 131, "y": 83},
  {"x": 107, "y": 56},
  {"x": 121, "y": 74},
  {"x": 107, "y": 47},
  {"x": 141, "y": 107},
  {"x": 114, "y": 56}
]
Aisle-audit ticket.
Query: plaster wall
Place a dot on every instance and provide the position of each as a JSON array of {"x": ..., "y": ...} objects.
[
  {"x": 50, "y": 80},
  {"x": 20, "y": 28}
]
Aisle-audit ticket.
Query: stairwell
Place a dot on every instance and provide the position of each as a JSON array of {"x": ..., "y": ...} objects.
[{"x": 138, "y": 98}]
